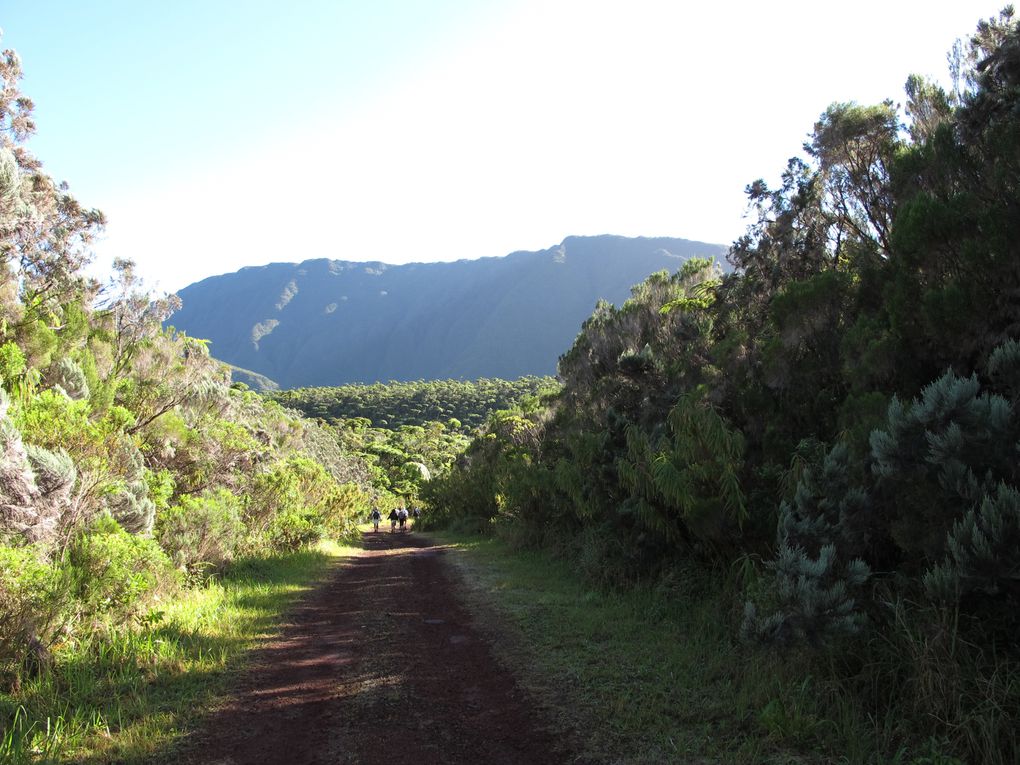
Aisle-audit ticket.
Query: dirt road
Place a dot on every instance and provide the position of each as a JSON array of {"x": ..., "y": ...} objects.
[{"x": 379, "y": 665}]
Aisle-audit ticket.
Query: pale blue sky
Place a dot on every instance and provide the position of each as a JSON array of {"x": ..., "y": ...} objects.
[{"x": 217, "y": 133}]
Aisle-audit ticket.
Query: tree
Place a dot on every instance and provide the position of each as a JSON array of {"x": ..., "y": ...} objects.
[{"x": 44, "y": 232}]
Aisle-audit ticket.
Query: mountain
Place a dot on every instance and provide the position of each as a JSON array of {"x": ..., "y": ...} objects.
[{"x": 329, "y": 322}]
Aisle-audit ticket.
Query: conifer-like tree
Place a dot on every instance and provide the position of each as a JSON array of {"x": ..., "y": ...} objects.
[{"x": 817, "y": 574}]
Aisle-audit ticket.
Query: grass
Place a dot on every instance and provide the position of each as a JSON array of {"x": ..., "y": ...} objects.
[
  {"x": 129, "y": 695},
  {"x": 648, "y": 678},
  {"x": 656, "y": 675}
]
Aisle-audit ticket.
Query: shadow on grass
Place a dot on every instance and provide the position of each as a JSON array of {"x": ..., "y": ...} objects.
[{"x": 127, "y": 695}]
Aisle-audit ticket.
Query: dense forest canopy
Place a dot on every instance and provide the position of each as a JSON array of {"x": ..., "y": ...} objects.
[
  {"x": 837, "y": 419},
  {"x": 459, "y": 404}
]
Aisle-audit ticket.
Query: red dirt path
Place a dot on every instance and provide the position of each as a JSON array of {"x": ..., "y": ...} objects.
[{"x": 378, "y": 665}]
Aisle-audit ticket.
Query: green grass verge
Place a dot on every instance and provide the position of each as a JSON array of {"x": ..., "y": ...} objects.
[
  {"x": 644, "y": 676},
  {"x": 128, "y": 695}
]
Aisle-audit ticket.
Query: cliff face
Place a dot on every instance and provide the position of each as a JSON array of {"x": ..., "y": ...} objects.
[{"x": 329, "y": 322}]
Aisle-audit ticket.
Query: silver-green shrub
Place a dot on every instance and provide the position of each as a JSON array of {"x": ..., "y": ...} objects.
[
  {"x": 70, "y": 377},
  {"x": 35, "y": 485},
  {"x": 130, "y": 504},
  {"x": 816, "y": 574},
  {"x": 983, "y": 551}
]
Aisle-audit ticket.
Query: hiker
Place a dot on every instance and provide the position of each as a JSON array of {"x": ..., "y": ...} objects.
[
  {"x": 416, "y": 512},
  {"x": 402, "y": 517},
  {"x": 393, "y": 519},
  {"x": 376, "y": 516}
]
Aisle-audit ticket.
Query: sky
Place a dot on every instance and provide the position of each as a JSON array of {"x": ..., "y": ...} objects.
[{"x": 218, "y": 134}]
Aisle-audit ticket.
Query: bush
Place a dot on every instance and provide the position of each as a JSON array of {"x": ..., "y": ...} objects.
[
  {"x": 113, "y": 574},
  {"x": 33, "y": 601},
  {"x": 12, "y": 367},
  {"x": 981, "y": 570},
  {"x": 293, "y": 530},
  {"x": 35, "y": 484},
  {"x": 70, "y": 377},
  {"x": 129, "y": 502},
  {"x": 298, "y": 502},
  {"x": 939, "y": 456},
  {"x": 105, "y": 577},
  {"x": 201, "y": 531}
]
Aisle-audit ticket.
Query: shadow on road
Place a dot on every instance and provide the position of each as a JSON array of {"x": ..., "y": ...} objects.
[{"x": 380, "y": 664}]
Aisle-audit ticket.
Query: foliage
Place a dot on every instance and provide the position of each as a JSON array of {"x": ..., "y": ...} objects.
[
  {"x": 689, "y": 485},
  {"x": 105, "y": 577},
  {"x": 201, "y": 531},
  {"x": 459, "y": 404},
  {"x": 112, "y": 427},
  {"x": 983, "y": 551},
  {"x": 112, "y": 573},
  {"x": 940, "y": 454},
  {"x": 33, "y": 600},
  {"x": 296, "y": 502},
  {"x": 35, "y": 485},
  {"x": 401, "y": 461},
  {"x": 836, "y": 419}
]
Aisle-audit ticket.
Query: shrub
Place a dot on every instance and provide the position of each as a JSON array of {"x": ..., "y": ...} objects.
[
  {"x": 35, "y": 484},
  {"x": 129, "y": 502},
  {"x": 113, "y": 574},
  {"x": 292, "y": 530},
  {"x": 201, "y": 531},
  {"x": 105, "y": 577},
  {"x": 939, "y": 456},
  {"x": 297, "y": 502},
  {"x": 106, "y": 457},
  {"x": 341, "y": 506},
  {"x": 33, "y": 601},
  {"x": 816, "y": 573},
  {"x": 70, "y": 377},
  {"x": 12, "y": 366},
  {"x": 814, "y": 598},
  {"x": 983, "y": 556}
]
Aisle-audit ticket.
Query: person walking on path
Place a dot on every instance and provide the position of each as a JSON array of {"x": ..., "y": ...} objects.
[
  {"x": 376, "y": 516},
  {"x": 402, "y": 517},
  {"x": 393, "y": 520}
]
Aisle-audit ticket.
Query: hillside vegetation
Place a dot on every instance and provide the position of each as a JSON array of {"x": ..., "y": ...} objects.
[
  {"x": 826, "y": 439},
  {"x": 462, "y": 404},
  {"x": 131, "y": 474},
  {"x": 409, "y": 433}
]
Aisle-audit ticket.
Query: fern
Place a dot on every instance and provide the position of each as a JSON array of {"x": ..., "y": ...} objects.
[{"x": 687, "y": 483}]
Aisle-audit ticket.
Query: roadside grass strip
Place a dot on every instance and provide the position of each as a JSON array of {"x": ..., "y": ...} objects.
[
  {"x": 637, "y": 676},
  {"x": 128, "y": 695}
]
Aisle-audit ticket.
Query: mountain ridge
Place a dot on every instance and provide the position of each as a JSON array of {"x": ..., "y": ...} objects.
[{"x": 324, "y": 321}]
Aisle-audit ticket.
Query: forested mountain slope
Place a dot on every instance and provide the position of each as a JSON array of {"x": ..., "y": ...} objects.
[
  {"x": 329, "y": 322},
  {"x": 456, "y": 403}
]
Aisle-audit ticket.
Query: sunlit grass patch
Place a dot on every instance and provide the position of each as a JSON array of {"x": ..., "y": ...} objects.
[{"x": 126, "y": 696}]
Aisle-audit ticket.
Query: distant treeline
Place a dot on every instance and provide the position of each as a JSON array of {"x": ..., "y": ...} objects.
[{"x": 394, "y": 404}]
